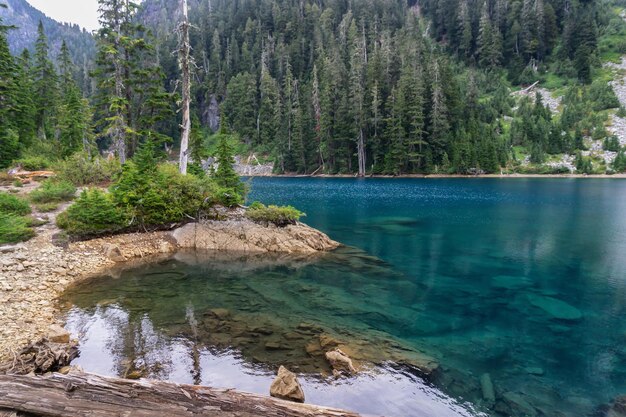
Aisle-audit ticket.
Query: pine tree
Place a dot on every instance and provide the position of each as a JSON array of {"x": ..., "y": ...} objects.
[
  {"x": 358, "y": 62},
  {"x": 46, "y": 87},
  {"x": 25, "y": 102},
  {"x": 9, "y": 139}
]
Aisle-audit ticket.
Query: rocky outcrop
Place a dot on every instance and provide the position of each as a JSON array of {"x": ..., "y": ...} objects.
[
  {"x": 35, "y": 273},
  {"x": 247, "y": 236},
  {"x": 286, "y": 386}
]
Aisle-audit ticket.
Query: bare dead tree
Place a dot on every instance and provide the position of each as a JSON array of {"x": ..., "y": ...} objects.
[{"x": 184, "y": 62}]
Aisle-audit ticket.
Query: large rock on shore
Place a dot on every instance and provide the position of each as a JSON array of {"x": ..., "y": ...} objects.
[
  {"x": 247, "y": 236},
  {"x": 286, "y": 386}
]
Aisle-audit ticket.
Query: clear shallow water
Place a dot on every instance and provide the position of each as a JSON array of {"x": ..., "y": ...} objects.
[{"x": 520, "y": 279}]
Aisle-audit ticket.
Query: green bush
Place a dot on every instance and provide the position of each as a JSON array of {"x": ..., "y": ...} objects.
[
  {"x": 93, "y": 213},
  {"x": 158, "y": 195},
  {"x": 53, "y": 190},
  {"x": 280, "y": 216},
  {"x": 33, "y": 163},
  {"x": 611, "y": 144},
  {"x": 14, "y": 228},
  {"x": 10, "y": 204},
  {"x": 80, "y": 169}
]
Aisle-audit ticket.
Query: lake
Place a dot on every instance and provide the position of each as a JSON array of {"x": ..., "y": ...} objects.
[{"x": 515, "y": 283}]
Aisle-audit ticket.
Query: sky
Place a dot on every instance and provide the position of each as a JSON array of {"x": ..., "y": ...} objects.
[{"x": 82, "y": 12}]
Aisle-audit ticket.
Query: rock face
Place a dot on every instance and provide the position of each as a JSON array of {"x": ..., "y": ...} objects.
[
  {"x": 250, "y": 237},
  {"x": 340, "y": 361},
  {"x": 286, "y": 386}
]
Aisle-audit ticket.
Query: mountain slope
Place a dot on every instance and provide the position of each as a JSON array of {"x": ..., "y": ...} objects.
[{"x": 21, "y": 14}]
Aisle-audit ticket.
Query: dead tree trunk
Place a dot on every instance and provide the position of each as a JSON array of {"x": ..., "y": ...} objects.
[
  {"x": 88, "y": 395},
  {"x": 184, "y": 49}
]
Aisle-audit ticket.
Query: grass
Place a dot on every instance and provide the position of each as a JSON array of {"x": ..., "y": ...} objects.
[
  {"x": 280, "y": 216},
  {"x": 53, "y": 191},
  {"x": 47, "y": 207}
]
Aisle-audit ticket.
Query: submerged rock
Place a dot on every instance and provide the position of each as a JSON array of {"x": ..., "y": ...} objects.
[
  {"x": 516, "y": 405},
  {"x": 340, "y": 361},
  {"x": 556, "y": 308},
  {"x": 286, "y": 386},
  {"x": 486, "y": 386}
]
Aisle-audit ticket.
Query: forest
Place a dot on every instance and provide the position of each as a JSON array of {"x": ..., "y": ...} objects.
[{"x": 336, "y": 87}]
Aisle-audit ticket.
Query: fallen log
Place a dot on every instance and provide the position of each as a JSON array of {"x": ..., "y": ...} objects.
[{"x": 87, "y": 395}]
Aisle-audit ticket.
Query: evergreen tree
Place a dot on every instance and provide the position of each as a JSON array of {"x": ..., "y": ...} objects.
[
  {"x": 9, "y": 139},
  {"x": 46, "y": 88}
]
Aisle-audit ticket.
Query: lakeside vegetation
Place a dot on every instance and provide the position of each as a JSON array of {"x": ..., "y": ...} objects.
[{"x": 379, "y": 89}]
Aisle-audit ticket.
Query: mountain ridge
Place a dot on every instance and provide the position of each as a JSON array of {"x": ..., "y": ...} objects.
[{"x": 25, "y": 18}]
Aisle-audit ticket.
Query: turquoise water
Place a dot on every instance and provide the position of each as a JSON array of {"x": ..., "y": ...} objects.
[{"x": 520, "y": 282}]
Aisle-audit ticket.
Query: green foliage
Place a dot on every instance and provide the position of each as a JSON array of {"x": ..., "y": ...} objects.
[
  {"x": 280, "y": 216},
  {"x": 611, "y": 144},
  {"x": 155, "y": 195},
  {"x": 33, "y": 163},
  {"x": 583, "y": 164},
  {"x": 14, "y": 228},
  {"x": 53, "y": 190},
  {"x": 93, "y": 213},
  {"x": 81, "y": 169},
  {"x": 232, "y": 188},
  {"x": 10, "y": 204},
  {"x": 619, "y": 164}
]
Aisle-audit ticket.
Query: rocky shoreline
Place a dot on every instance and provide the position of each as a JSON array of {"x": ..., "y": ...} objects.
[{"x": 35, "y": 273}]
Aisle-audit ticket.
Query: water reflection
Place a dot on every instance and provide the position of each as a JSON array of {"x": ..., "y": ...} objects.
[{"x": 201, "y": 319}]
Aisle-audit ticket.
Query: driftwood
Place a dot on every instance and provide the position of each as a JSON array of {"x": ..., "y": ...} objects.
[
  {"x": 81, "y": 395},
  {"x": 27, "y": 175},
  {"x": 40, "y": 357}
]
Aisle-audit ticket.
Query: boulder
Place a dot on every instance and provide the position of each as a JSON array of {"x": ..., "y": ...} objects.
[
  {"x": 114, "y": 253},
  {"x": 57, "y": 334},
  {"x": 340, "y": 361},
  {"x": 286, "y": 386},
  {"x": 486, "y": 386}
]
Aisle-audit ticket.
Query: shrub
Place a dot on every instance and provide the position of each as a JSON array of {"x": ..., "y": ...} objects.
[
  {"x": 80, "y": 169},
  {"x": 14, "y": 229},
  {"x": 10, "y": 204},
  {"x": 611, "y": 144},
  {"x": 157, "y": 195},
  {"x": 280, "y": 216},
  {"x": 53, "y": 190},
  {"x": 93, "y": 213},
  {"x": 33, "y": 163}
]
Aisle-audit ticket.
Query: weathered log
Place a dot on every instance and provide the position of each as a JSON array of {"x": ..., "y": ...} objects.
[{"x": 87, "y": 395}]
